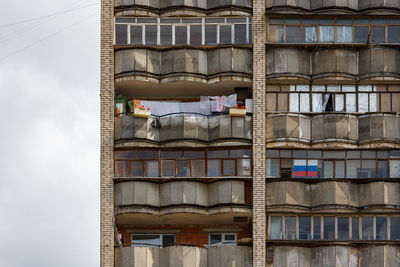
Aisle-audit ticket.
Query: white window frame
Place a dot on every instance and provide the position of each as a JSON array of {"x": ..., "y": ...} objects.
[{"x": 223, "y": 241}]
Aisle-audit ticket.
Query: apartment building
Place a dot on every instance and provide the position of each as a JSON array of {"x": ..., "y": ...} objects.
[{"x": 250, "y": 133}]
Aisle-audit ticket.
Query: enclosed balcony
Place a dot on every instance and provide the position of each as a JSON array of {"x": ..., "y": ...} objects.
[
  {"x": 183, "y": 256},
  {"x": 182, "y": 128},
  {"x": 380, "y": 130},
  {"x": 189, "y": 72}
]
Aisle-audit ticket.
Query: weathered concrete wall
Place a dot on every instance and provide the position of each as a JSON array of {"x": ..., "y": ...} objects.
[
  {"x": 203, "y": 4},
  {"x": 179, "y": 193},
  {"x": 196, "y": 62},
  {"x": 326, "y": 193},
  {"x": 364, "y": 63},
  {"x": 334, "y": 256},
  {"x": 190, "y": 127},
  {"x": 224, "y": 256},
  {"x": 355, "y": 5},
  {"x": 333, "y": 127}
]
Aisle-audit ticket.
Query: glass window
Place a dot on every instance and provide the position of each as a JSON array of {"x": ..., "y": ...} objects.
[
  {"x": 136, "y": 35},
  {"x": 394, "y": 228},
  {"x": 367, "y": 228},
  {"x": 304, "y": 102},
  {"x": 290, "y": 227},
  {"x": 276, "y": 33},
  {"x": 286, "y": 168},
  {"x": 168, "y": 240},
  {"x": 339, "y": 102},
  {"x": 361, "y": 34},
  {"x": 225, "y": 34},
  {"x": 394, "y": 34},
  {"x": 381, "y": 228},
  {"x": 339, "y": 169},
  {"x": 329, "y": 228},
  {"x": 194, "y": 154},
  {"x": 146, "y": 240},
  {"x": 317, "y": 103},
  {"x": 276, "y": 227},
  {"x": 136, "y": 168},
  {"x": 240, "y": 153},
  {"x": 343, "y": 228},
  {"x": 211, "y": 34},
  {"x": 218, "y": 153},
  {"x": 273, "y": 168},
  {"x": 317, "y": 227},
  {"x": 165, "y": 34},
  {"x": 304, "y": 228},
  {"x": 215, "y": 239},
  {"x": 151, "y": 34},
  {"x": 310, "y": 34},
  {"x": 121, "y": 34},
  {"x": 240, "y": 34},
  {"x": 344, "y": 34},
  {"x": 168, "y": 168},
  {"x": 355, "y": 228},
  {"x": 171, "y": 154},
  {"x": 151, "y": 168},
  {"x": 244, "y": 167},
  {"x": 378, "y": 35},
  {"x": 198, "y": 168},
  {"x": 328, "y": 169},
  {"x": 214, "y": 167},
  {"x": 147, "y": 154},
  {"x": 182, "y": 168},
  {"x": 125, "y": 154},
  {"x": 293, "y": 34},
  {"x": 395, "y": 168},
  {"x": 351, "y": 103},
  {"x": 195, "y": 34},
  {"x": 121, "y": 168},
  {"x": 353, "y": 169},
  {"x": 294, "y": 102},
  {"x": 368, "y": 169},
  {"x": 229, "y": 167},
  {"x": 229, "y": 239},
  {"x": 326, "y": 34},
  {"x": 180, "y": 35}
]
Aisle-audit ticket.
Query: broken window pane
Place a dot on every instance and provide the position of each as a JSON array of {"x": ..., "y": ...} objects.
[
  {"x": 343, "y": 228},
  {"x": 326, "y": 34},
  {"x": 310, "y": 34},
  {"x": 363, "y": 103},
  {"x": 394, "y": 228},
  {"x": 361, "y": 34},
  {"x": 351, "y": 103},
  {"x": 294, "y": 102},
  {"x": 327, "y": 104},
  {"x": 381, "y": 228},
  {"x": 355, "y": 231},
  {"x": 293, "y": 34},
  {"x": 339, "y": 102},
  {"x": 290, "y": 227},
  {"x": 367, "y": 228},
  {"x": 394, "y": 168},
  {"x": 317, "y": 102},
  {"x": 344, "y": 34},
  {"x": 329, "y": 228},
  {"x": 273, "y": 168},
  {"x": 276, "y": 227},
  {"x": 137, "y": 36},
  {"x": 317, "y": 227},
  {"x": 304, "y": 102},
  {"x": 304, "y": 228}
]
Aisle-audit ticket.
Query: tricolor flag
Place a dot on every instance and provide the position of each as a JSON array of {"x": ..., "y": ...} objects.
[{"x": 305, "y": 168}]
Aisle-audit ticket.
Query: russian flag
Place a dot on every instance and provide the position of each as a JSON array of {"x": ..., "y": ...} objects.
[
  {"x": 305, "y": 168},
  {"x": 312, "y": 168}
]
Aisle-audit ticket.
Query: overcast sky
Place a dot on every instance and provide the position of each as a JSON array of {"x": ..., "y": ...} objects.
[{"x": 49, "y": 138}]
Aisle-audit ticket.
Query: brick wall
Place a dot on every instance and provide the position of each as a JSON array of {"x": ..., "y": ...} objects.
[
  {"x": 107, "y": 135},
  {"x": 259, "y": 170}
]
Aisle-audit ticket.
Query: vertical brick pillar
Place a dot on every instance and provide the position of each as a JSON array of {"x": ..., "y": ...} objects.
[
  {"x": 259, "y": 172},
  {"x": 107, "y": 135}
]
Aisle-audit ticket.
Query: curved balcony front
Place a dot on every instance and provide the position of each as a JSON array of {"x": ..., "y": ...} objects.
[
  {"x": 183, "y": 7},
  {"x": 172, "y": 200},
  {"x": 223, "y": 256},
  {"x": 331, "y": 63},
  {"x": 191, "y": 71},
  {"x": 337, "y": 6},
  {"x": 183, "y": 129},
  {"x": 345, "y": 256},
  {"x": 325, "y": 196},
  {"x": 333, "y": 130}
]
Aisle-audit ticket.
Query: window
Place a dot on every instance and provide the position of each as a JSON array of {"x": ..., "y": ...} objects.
[
  {"x": 304, "y": 228},
  {"x": 276, "y": 227},
  {"x": 394, "y": 228},
  {"x": 367, "y": 228},
  {"x": 381, "y": 228},
  {"x": 317, "y": 227},
  {"x": 183, "y": 31},
  {"x": 227, "y": 239},
  {"x": 343, "y": 228},
  {"x": 355, "y": 228},
  {"x": 153, "y": 240},
  {"x": 329, "y": 228},
  {"x": 290, "y": 227}
]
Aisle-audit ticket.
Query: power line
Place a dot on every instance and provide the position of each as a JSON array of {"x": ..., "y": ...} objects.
[
  {"x": 47, "y": 37},
  {"x": 47, "y": 16}
]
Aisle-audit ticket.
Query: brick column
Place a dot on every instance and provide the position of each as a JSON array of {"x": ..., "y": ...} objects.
[
  {"x": 259, "y": 172},
  {"x": 107, "y": 135}
]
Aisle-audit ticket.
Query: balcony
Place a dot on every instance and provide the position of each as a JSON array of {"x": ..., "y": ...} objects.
[
  {"x": 365, "y": 256},
  {"x": 320, "y": 131},
  {"x": 182, "y": 197},
  {"x": 327, "y": 195},
  {"x": 183, "y": 128},
  {"x": 182, "y": 7},
  {"x": 193, "y": 71},
  {"x": 342, "y": 6},
  {"x": 367, "y": 63},
  {"x": 224, "y": 256}
]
